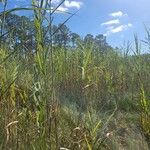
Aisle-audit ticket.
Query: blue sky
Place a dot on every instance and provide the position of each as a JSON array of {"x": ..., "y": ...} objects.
[{"x": 119, "y": 20}]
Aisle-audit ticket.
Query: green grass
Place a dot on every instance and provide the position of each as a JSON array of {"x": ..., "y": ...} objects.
[
  {"x": 85, "y": 105},
  {"x": 73, "y": 98}
]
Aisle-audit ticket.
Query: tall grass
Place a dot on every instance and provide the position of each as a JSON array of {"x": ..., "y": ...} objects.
[{"x": 72, "y": 98}]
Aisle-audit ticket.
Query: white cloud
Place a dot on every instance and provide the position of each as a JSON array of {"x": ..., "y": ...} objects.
[
  {"x": 117, "y": 14},
  {"x": 112, "y": 30},
  {"x": 118, "y": 29},
  {"x": 66, "y": 5},
  {"x": 114, "y": 26},
  {"x": 110, "y": 22},
  {"x": 71, "y": 4},
  {"x": 130, "y": 24},
  {"x": 63, "y": 9}
]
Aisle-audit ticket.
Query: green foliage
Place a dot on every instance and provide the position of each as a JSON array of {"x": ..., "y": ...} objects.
[{"x": 59, "y": 91}]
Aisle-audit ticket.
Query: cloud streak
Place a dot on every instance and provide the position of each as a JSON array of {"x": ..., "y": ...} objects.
[
  {"x": 111, "y": 22},
  {"x": 112, "y": 30},
  {"x": 73, "y": 4},
  {"x": 114, "y": 25},
  {"x": 117, "y": 14},
  {"x": 65, "y": 6}
]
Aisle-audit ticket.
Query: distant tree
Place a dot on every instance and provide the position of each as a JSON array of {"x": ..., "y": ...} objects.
[
  {"x": 74, "y": 37},
  {"x": 100, "y": 40},
  {"x": 89, "y": 38},
  {"x": 20, "y": 34},
  {"x": 101, "y": 43},
  {"x": 62, "y": 36},
  {"x": 21, "y": 29}
]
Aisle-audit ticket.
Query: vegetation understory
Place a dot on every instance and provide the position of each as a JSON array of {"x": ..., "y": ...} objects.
[{"x": 61, "y": 91}]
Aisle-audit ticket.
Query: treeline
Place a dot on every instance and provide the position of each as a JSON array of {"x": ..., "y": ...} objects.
[{"x": 20, "y": 31}]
